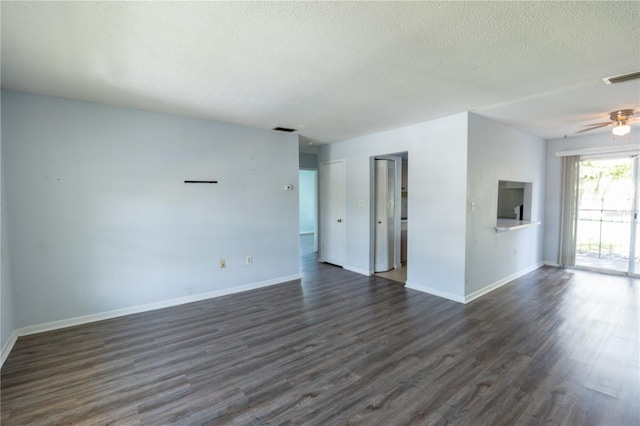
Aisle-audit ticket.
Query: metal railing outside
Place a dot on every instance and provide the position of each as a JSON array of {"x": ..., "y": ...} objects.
[{"x": 604, "y": 233}]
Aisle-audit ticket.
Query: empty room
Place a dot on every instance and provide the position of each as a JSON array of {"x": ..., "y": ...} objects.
[{"x": 324, "y": 213}]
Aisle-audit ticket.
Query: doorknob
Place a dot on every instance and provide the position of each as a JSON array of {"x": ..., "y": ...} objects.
[{"x": 340, "y": 220}]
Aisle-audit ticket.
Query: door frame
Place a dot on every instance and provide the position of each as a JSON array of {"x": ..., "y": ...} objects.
[
  {"x": 372, "y": 209},
  {"x": 634, "y": 219}
]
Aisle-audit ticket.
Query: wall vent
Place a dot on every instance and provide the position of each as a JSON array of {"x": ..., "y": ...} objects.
[
  {"x": 284, "y": 129},
  {"x": 621, "y": 78}
]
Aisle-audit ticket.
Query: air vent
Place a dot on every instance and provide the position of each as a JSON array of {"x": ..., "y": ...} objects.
[
  {"x": 284, "y": 129},
  {"x": 621, "y": 78}
]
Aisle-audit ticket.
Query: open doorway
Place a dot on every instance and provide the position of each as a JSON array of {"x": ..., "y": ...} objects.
[
  {"x": 308, "y": 201},
  {"x": 389, "y": 228}
]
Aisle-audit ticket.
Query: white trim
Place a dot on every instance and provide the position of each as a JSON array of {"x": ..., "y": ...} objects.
[
  {"x": 435, "y": 292},
  {"x": 6, "y": 349},
  {"x": 550, "y": 263},
  {"x": 618, "y": 149},
  {"x": 357, "y": 270},
  {"x": 306, "y": 232},
  {"x": 501, "y": 282},
  {"x": 54, "y": 325}
]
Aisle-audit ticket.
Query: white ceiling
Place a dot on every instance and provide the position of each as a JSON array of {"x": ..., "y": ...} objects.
[{"x": 333, "y": 70}]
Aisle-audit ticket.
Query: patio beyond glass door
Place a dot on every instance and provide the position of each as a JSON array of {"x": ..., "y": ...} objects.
[{"x": 607, "y": 225}]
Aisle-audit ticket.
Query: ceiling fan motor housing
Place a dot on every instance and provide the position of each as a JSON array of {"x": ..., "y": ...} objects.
[{"x": 621, "y": 115}]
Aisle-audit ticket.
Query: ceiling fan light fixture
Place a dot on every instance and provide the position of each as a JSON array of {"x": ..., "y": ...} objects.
[
  {"x": 620, "y": 119},
  {"x": 621, "y": 129}
]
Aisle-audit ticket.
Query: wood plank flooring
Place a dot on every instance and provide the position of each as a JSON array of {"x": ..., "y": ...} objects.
[{"x": 554, "y": 347}]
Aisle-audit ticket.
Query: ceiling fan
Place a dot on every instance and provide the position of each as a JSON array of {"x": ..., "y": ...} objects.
[{"x": 621, "y": 120}]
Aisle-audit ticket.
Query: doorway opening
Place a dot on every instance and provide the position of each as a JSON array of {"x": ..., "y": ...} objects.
[
  {"x": 308, "y": 205},
  {"x": 389, "y": 213},
  {"x": 607, "y": 215}
]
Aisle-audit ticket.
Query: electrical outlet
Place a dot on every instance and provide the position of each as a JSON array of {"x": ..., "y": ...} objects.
[
  {"x": 223, "y": 264},
  {"x": 249, "y": 260}
]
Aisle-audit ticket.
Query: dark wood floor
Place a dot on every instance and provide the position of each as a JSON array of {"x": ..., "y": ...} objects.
[{"x": 554, "y": 347}]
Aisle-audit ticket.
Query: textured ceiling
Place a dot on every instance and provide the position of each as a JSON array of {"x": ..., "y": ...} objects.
[{"x": 333, "y": 70}]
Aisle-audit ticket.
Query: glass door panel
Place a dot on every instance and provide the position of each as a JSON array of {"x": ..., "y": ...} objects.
[
  {"x": 634, "y": 262},
  {"x": 606, "y": 200}
]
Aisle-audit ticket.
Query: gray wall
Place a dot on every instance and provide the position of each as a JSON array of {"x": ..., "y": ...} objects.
[
  {"x": 436, "y": 207},
  {"x": 101, "y": 220},
  {"x": 498, "y": 152},
  {"x": 6, "y": 285},
  {"x": 452, "y": 251},
  {"x": 554, "y": 179},
  {"x": 308, "y": 161}
]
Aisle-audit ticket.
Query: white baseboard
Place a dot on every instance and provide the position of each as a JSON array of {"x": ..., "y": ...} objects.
[
  {"x": 549, "y": 263},
  {"x": 501, "y": 282},
  {"x": 54, "y": 325},
  {"x": 476, "y": 294},
  {"x": 435, "y": 292},
  {"x": 357, "y": 270},
  {"x": 306, "y": 232},
  {"x": 6, "y": 349}
]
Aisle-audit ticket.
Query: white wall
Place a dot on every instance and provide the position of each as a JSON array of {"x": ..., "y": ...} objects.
[
  {"x": 436, "y": 210},
  {"x": 554, "y": 179},
  {"x": 101, "y": 220},
  {"x": 498, "y": 152}
]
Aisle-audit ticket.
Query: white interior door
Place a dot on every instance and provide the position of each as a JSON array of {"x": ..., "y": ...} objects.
[
  {"x": 385, "y": 174},
  {"x": 332, "y": 216}
]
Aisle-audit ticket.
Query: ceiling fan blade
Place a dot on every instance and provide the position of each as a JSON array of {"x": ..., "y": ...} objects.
[
  {"x": 594, "y": 126},
  {"x": 604, "y": 123}
]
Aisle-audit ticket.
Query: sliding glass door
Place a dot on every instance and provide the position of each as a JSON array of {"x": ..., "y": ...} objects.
[
  {"x": 607, "y": 224},
  {"x": 634, "y": 261}
]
